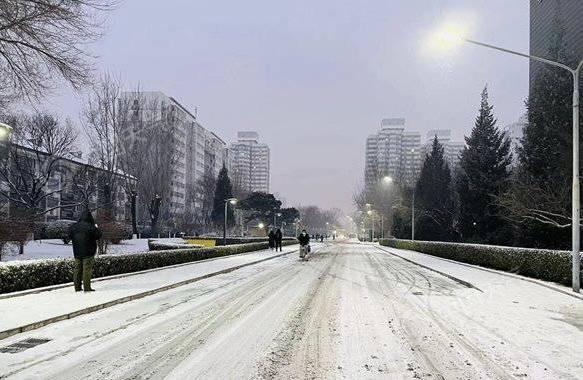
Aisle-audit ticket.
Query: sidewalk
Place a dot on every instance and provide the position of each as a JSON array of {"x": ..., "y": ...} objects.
[
  {"x": 480, "y": 277},
  {"x": 32, "y": 311}
]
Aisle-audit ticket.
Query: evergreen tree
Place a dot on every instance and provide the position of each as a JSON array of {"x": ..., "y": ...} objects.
[
  {"x": 483, "y": 176},
  {"x": 539, "y": 200},
  {"x": 223, "y": 191},
  {"x": 434, "y": 198}
]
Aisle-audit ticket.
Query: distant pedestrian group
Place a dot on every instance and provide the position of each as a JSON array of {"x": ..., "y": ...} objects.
[{"x": 275, "y": 239}]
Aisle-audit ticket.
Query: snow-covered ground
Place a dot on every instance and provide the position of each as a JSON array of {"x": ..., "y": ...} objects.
[
  {"x": 54, "y": 248},
  {"x": 352, "y": 311}
]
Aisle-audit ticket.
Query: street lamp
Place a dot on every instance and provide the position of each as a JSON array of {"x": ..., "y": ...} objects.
[
  {"x": 450, "y": 36},
  {"x": 371, "y": 214},
  {"x": 275, "y": 219},
  {"x": 232, "y": 201},
  {"x": 5, "y": 132}
]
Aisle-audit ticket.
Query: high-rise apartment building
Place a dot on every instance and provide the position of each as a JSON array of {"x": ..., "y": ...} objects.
[
  {"x": 546, "y": 18},
  {"x": 392, "y": 152},
  {"x": 250, "y": 162},
  {"x": 196, "y": 151}
]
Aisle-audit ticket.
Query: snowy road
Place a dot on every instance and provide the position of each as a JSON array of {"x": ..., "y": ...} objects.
[{"x": 352, "y": 311}]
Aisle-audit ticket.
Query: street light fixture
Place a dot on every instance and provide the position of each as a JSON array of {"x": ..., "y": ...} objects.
[
  {"x": 451, "y": 36},
  {"x": 5, "y": 132},
  {"x": 232, "y": 201},
  {"x": 275, "y": 219}
]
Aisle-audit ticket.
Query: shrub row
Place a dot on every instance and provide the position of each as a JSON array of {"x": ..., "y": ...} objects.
[
  {"x": 23, "y": 275},
  {"x": 157, "y": 245},
  {"x": 235, "y": 240},
  {"x": 543, "y": 264}
]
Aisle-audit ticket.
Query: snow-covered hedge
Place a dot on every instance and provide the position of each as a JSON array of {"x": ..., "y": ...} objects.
[
  {"x": 157, "y": 245},
  {"x": 22, "y": 275},
  {"x": 234, "y": 240},
  {"x": 544, "y": 264}
]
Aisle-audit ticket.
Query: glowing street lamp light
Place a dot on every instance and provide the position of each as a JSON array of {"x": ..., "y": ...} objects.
[
  {"x": 232, "y": 201},
  {"x": 5, "y": 132},
  {"x": 261, "y": 225},
  {"x": 388, "y": 179},
  {"x": 450, "y": 36}
]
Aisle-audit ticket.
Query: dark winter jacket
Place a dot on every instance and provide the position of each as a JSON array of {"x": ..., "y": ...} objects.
[
  {"x": 304, "y": 239},
  {"x": 271, "y": 237},
  {"x": 84, "y": 235},
  {"x": 278, "y": 236}
]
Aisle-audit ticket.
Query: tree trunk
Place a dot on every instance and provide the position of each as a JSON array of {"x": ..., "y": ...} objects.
[
  {"x": 134, "y": 216},
  {"x": 155, "y": 214}
]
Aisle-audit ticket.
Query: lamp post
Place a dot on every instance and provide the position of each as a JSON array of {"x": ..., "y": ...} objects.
[
  {"x": 371, "y": 214},
  {"x": 413, "y": 215},
  {"x": 388, "y": 181},
  {"x": 275, "y": 219},
  {"x": 232, "y": 201},
  {"x": 453, "y": 36}
]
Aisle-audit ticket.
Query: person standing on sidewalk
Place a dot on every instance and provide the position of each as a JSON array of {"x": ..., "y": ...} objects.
[
  {"x": 278, "y": 239},
  {"x": 271, "y": 239},
  {"x": 84, "y": 235}
]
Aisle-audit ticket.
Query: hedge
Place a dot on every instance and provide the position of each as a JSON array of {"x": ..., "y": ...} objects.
[
  {"x": 234, "y": 240},
  {"x": 23, "y": 275},
  {"x": 157, "y": 245},
  {"x": 543, "y": 264}
]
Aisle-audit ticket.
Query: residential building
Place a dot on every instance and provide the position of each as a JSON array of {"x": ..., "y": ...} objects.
[
  {"x": 546, "y": 18},
  {"x": 250, "y": 162},
  {"x": 392, "y": 152},
  {"x": 73, "y": 185},
  {"x": 196, "y": 150},
  {"x": 451, "y": 148}
]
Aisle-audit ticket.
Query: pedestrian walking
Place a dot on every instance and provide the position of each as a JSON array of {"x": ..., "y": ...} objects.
[
  {"x": 84, "y": 235},
  {"x": 278, "y": 240},
  {"x": 271, "y": 239}
]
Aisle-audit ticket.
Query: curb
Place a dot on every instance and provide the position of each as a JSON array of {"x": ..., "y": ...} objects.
[
  {"x": 36, "y": 325},
  {"x": 548, "y": 285},
  {"x": 458, "y": 280},
  {"x": 116, "y": 276}
]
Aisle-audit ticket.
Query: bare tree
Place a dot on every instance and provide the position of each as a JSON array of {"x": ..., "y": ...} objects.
[
  {"x": 39, "y": 143},
  {"x": 529, "y": 201},
  {"x": 149, "y": 156},
  {"x": 104, "y": 116},
  {"x": 44, "y": 39}
]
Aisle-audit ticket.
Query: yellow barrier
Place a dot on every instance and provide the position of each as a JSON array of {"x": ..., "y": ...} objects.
[{"x": 203, "y": 242}]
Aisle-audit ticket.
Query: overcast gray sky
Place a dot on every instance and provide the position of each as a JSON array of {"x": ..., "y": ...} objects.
[{"x": 314, "y": 78}]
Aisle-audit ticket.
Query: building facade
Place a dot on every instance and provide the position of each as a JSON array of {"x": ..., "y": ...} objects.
[
  {"x": 72, "y": 185},
  {"x": 392, "y": 152},
  {"x": 547, "y": 17},
  {"x": 451, "y": 148},
  {"x": 250, "y": 161},
  {"x": 196, "y": 151}
]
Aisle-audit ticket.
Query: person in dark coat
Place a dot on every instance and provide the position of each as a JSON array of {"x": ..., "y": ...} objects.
[
  {"x": 84, "y": 235},
  {"x": 278, "y": 239},
  {"x": 271, "y": 239},
  {"x": 304, "y": 238}
]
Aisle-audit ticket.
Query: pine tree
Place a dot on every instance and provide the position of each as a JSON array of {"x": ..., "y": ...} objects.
[
  {"x": 539, "y": 200},
  {"x": 223, "y": 191},
  {"x": 434, "y": 198},
  {"x": 484, "y": 175}
]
